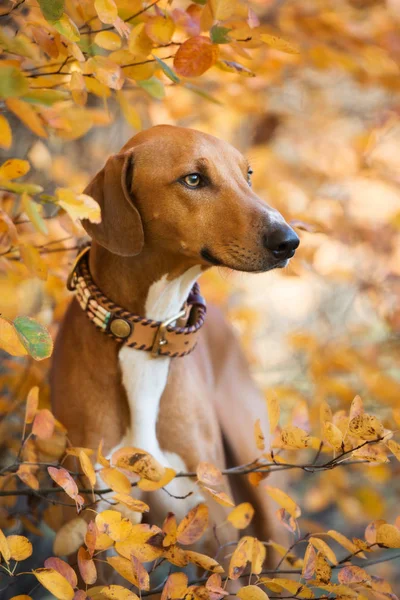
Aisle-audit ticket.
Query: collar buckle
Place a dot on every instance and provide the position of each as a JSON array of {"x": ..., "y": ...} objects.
[{"x": 159, "y": 340}]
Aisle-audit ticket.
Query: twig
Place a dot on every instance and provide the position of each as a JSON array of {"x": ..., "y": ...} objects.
[{"x": 91, "y": 31}]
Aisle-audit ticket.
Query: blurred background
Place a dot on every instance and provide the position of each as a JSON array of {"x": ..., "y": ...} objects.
[{"x": 321, "y": 129}]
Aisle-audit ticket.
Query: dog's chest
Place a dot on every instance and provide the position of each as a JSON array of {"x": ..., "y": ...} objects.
[{"x": 144, "y": 377}]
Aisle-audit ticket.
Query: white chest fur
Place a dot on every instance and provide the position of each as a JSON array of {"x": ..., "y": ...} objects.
[{"x": 145, "y": 377}]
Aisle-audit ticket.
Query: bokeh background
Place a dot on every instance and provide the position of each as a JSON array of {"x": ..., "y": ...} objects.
[{"x": 321, "y": 129}]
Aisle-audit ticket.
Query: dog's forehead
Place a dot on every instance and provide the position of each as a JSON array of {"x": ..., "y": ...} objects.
[{"x": 172, "y": 143}]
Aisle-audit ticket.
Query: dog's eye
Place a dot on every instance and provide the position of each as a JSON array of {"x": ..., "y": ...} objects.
[
  {"x": 249, "y": 174},
  {"x": 193, "y": 180}
]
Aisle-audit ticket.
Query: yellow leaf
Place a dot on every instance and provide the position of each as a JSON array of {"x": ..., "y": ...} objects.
[
  {"x": 367, "y": 427},
  {"x": 27, "y": 114},
  {"x": 106, "y": 71},
  {"x": 20, "y": 547},
  {"x": 259, "y": 436},
  {"x": 278, "y": 43},
  {"x": 160, "y": 29},
  {"x": 219, "y": 497},
  {"x": 241, "y": 515},
  {"x": 4, "y": 548},
  {"x": 9, "y": 340},
  {"x": 139, "y": 43},
  {"x": 193, "y": 525},
  {"x": 129, "y": 111},
  {"x": 107, "y": 10},
  {"x": 132, "y": 503},
  {"x": 13, "y": 168},
  {"x": 394, "y": 448},
  {"x": 175, "y": 587},
  {"x": 323, "y": 547},
  {"x": 294, "y": 437},
  {"x": 87, "y": 467},
  {"x": 273, "y": 411},
  {"x": 388, "y": 536},
  {"x": 258, "y": 556},
  {"x": 139, "y": 462},
  {"x": 252, "y": 592},
  {"x": 356, "y": 408},
  {"x": 55, "y": 583},
  {"x": 204, "y": 562},
  {"x": 123, "y": 567},
  {"x": 78, "y": 206},
  {"x": 111, "y": 523},
  {"x": 345, "y": 542},
  {"x": 284, "y": 501},
  {"x": 322, "y": 569},
  {"x": 150, "y": 486},
  {"x": 108, "y": 40},
  {"x": 33, "y": 261},
  {"x": 144, "y": 541},
  {"x": 100, "y": 458},
  {"x": 117, "y": 592},
  {"x": 332, "y": 435},
  {"x": 78, "y": 89},
  {"x": 209, "y": 474},
  {"x": 5, "y": 133},
  {"x": 116, "y": 480},
  {"x": 241, "y": 556}
]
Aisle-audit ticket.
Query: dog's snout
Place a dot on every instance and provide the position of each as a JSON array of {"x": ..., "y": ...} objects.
[{"x": 282, "y": 242}]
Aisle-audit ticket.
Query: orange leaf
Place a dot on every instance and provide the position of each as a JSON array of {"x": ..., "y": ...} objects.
[
  {"x": 195, "y": 56},
  {"x": 54, "y": 582},
  {"x": 150, "y": 486},
  {"x": 142, "y": 576},
  {"x": 204, "y": 562},
  {"x": 193, "y": 525},
  {"x": 353, "y": 574},
  {"x": 209, "y": 474},
  {"x": 63, "y": 568},
  {"x": 310, "y": 561},
  {"x": 32, "y": 402},
  {"x": 27, "y": 115},
  {"x": 44, "y": 423},
  {"x": 5, "y": 133},
  {"x": 175, "y": 587},
  {"x": 86, "y": 565},
  {"x": 170, "y": 529},
  {"x": 132, "y": 503},
  {"x": 64, "y": 480}
]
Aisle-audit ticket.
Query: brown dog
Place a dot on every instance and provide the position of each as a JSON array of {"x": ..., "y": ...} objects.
[{"x": 174, "y": 202}]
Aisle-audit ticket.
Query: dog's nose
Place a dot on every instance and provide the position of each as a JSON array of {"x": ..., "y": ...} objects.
[{"x": 282, "y": 242}]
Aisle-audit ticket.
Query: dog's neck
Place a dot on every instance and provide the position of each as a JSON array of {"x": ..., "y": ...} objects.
[{"x": 153, "y": 285}]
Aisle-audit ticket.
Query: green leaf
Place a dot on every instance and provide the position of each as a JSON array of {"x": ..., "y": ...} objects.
[
  {"x": 52, "y": 10},
  {"x": 46, "y": 97},
  {"x": 32, "y": 211},
  {"x": 12, "y": 82},
  {"x": 219, "y": 35},
  {"x": 201, "y": 2},
  {"x": 154, "y": 87},
  {"x": 34, "y": 337},
  {"x": 167, "y": 70},
  {"x": 20, "y": 188},
  {"x": 67, "y": 27},
  {"x": 202, "y": 93}
]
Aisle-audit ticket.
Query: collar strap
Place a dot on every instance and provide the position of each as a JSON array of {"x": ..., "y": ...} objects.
[{"x": 161, "y": 338}]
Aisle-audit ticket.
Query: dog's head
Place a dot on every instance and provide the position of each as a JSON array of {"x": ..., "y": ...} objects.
[{"x": 187, "y": 193}]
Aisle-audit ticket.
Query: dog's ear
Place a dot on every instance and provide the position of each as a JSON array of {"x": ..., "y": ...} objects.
[{"x": 120, "y": 230}]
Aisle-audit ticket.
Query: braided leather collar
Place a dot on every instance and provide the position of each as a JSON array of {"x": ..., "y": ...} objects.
[{"x": 161, "y": 338}]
